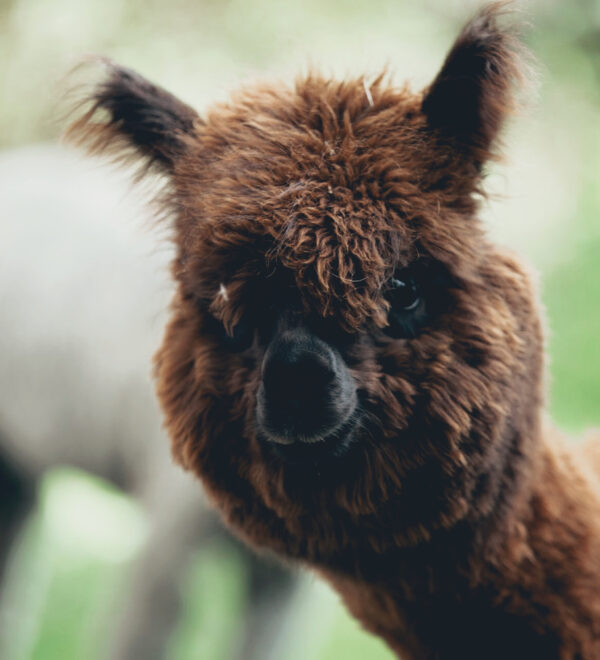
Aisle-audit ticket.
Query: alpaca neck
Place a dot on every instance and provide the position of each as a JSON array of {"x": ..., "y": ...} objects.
[{"x": 472, "y": 590}]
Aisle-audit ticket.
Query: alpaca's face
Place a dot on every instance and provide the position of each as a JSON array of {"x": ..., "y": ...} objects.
[
  {"x": 305, "y": 265},
  {"x": 345, "y": 347}
]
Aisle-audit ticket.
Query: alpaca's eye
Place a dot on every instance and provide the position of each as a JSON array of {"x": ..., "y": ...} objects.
[
  {"x": 403, "y": 292},
  {"x": 407, "y": 305}
]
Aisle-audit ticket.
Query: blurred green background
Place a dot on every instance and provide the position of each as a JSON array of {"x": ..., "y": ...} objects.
[{"x": 84, "y": 535}]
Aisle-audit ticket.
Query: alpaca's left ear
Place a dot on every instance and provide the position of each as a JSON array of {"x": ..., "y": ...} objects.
[
  {"x": 471, "y": 96},
  {"x": 128, "y": 116}
]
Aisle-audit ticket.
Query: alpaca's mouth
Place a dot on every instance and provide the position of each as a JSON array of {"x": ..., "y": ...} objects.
[{"x": 318, "y": 450}]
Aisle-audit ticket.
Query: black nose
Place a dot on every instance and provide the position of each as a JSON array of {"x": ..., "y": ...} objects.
[
  {"x": 306, "y": 391},
  {"x": 296, "y": 376}
]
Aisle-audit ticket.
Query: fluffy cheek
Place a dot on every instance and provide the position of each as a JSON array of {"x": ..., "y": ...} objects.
[
  {"x": 480, "y": 378},
  {"x": 446, "y": 393},
  {"x": 204, "y": 394}
]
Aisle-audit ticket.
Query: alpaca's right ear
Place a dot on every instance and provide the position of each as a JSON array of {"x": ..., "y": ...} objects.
[{"x": 128, "y": 116}]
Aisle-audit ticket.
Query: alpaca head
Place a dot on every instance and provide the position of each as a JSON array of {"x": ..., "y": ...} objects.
[{"x": 350, "y": 364}]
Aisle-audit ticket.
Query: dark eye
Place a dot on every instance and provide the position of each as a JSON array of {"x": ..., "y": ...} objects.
[
  {"x": 407, "y": 305},
  {"x": 403, "y": 292}
]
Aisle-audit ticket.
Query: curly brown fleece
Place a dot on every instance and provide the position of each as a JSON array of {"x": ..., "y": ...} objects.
[{"x": 456, "y": 527}]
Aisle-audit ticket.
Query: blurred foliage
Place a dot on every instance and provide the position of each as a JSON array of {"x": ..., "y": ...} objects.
[
  {"x": 210, "y": 624},
  {"x": 65, "y": 576},
  {"x": 62, "y": 585}
]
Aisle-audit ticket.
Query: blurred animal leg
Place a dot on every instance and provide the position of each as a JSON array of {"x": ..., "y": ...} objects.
[
  {"x": 267, "y": 606},
  {"x": 17, "y": 495},
  {"x": 152, "y": 603}
]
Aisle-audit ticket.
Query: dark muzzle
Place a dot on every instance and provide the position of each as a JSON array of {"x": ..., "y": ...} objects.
[{"x": 307, "y": 393}]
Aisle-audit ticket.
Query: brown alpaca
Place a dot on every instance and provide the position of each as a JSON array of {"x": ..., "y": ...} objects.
[{"x": 352, "y": 369}]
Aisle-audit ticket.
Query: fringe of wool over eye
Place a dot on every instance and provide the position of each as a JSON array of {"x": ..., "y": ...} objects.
[{"x": 338, "y": 222}]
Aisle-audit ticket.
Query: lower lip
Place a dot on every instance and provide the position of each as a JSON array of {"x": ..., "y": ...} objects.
[{"x": 319, "y": 451}]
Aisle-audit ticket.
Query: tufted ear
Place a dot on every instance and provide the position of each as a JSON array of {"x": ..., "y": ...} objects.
[
  {"x": 474, "y": 92},
  {"x": 128, "y": 116}
]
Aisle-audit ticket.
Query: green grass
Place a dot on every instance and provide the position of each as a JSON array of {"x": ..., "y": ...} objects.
[
  {"x": 65, "y": 576},
  {"x": 572, "y": 295},
  {"x": 213, "y": 596}
]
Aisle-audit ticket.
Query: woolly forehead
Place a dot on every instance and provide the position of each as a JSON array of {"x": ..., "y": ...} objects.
[
  {"x": 307, "y": 182},
  {"x": 336, "y": 252}
]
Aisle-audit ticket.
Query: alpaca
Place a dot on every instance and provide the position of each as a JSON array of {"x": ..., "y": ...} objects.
[{"x": 352, "y": 368}]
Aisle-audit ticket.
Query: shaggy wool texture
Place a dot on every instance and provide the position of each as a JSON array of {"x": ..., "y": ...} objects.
[{"x": 451, "y": 520}]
